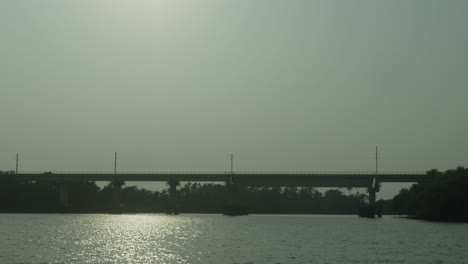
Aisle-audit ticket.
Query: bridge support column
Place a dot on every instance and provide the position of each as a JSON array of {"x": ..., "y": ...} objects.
[
  {"x": 372, "y": 196},
  {"x": 372, "y": 209},
  {"x": 378, "y": 208},
  {"x": 63, "y": 197},
  {"x": 172, "y": 207}
]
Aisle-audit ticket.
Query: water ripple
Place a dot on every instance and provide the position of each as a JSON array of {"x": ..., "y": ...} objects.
[{"x": 217, "y": 239}]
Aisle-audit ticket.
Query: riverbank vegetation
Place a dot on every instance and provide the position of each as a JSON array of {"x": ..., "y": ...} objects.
[{"x": 442, "y": 198}]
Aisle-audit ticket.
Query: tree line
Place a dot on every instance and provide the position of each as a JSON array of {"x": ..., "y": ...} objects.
[{"x": 443, "y": 197}]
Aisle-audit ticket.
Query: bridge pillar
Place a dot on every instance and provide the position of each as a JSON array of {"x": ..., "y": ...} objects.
[
  {"x": 378, "y": 208},
  {"x": 372, "y": 190},
  {"x": 371, "y": 210},
  {"x": 372, "y": 196},
  {"x": 63, "y": 196},
  {"x": 172, "y": 207}
]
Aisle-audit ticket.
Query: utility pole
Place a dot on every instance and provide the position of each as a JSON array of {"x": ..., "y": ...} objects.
[
  {"x": 115, "y": 164},
  {"x": 376, "y": 159},
  {"x": 17, "y": 157}
]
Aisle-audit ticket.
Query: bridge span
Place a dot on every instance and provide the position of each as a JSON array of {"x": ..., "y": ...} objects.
[
  {"x": 370, "y": 181},
  {"x": 285, "y": 179}
]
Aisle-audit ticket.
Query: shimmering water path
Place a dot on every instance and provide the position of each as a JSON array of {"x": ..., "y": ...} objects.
[{"x": 32, "y": 238}]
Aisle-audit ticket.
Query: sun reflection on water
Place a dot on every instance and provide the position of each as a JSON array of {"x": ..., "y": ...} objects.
[{"x": 129, "y": 239}]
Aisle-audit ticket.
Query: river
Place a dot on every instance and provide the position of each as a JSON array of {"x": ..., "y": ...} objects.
[{"x": 153, "y": 238}]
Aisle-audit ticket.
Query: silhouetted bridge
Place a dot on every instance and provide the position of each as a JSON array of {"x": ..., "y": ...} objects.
[
  {"x": 274, "y": 179},
  {"x": 370, "y": 181}
]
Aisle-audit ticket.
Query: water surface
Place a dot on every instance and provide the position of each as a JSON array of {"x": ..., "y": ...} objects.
[{"x": 33, "y": 238}]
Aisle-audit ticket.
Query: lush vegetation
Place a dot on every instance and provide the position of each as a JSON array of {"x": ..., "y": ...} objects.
[
  {"x": 442, "y": 198},
  {"x": 87, "y": 197}
]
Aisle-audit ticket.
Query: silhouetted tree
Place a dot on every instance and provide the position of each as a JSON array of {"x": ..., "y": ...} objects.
[{"x": 443, "y": 197}]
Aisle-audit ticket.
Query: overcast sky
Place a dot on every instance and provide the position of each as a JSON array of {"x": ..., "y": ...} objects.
[{"x": 284, "y": 85}]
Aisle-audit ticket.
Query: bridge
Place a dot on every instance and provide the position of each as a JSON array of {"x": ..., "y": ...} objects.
[
  {"x": 253, "y": 179},
  {"x": 370, "y": 181}
]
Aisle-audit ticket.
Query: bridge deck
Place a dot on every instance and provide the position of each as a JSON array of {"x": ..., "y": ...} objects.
[{"x": 248, "y": 179}]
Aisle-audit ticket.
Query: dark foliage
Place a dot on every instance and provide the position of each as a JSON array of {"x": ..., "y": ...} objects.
[{"x": 443, "y": 198}]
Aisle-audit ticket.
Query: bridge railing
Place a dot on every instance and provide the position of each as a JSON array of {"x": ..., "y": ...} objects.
[{"x": 227, "y": 172}]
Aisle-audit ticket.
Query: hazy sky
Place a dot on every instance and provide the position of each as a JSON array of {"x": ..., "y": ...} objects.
[{"x": 284, "y": 85}]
